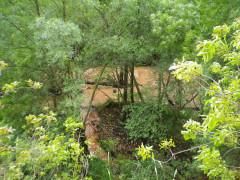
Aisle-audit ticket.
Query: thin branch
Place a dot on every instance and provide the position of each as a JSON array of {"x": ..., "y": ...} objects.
[
  {"x": 138, "y": 89},
  {"x": 102, "y": 14},
  {"x": 180, "y": 152},
  {"x": 190, "y": 100},
  {"x": 230, "y": 150},
  {"x": 105, "y": 94},
  {"x": 18, "y": 28},
  {"x": 94, "y": 91}
]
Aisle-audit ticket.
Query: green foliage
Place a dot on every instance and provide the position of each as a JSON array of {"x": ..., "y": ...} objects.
[
  {"x": 109, "y": 145},
  {"x": 41, "y": 153},
  {"x": 172, "y": 24},
  {"x": 151, "y": 169},
  {"x": 54, "y": 40},
  {"x": 14, "y": 86},
  {"x": 140, "y": 31},
  {"x": 72, "y": 125},
  {"x": 46, "y": 45},
  {"x": 186, "y": 70},
  {"x": 49, "y": 58},
  {"x": 210, "y": 14},
  {"x": 98, "y": 169},
  {"x": 220, "y": 127},
  {"x": 158, "y": 168},
  {"x": 146, "y": 122},
  {"x": 213, "y": 165},
  {"x": 11, "y": 87},
  {"x": 150, "y": 122},
  {"x": 3, "y": 65}
]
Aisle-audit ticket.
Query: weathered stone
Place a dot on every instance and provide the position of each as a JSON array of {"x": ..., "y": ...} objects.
[{"x": 147, "y": 79}]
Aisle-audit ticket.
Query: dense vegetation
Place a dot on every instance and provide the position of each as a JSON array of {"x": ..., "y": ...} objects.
[{"x": 45, "y": 47}]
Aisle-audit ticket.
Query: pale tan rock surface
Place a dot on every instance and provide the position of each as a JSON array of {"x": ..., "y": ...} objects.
[{"x": 146, "y": 78}]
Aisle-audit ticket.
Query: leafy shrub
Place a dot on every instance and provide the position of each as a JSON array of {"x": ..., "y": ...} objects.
[
  {"x": 98, "y": 169},
  {"x": 218, "y": 135},
  {"x": 145, "y": 122},
  {"x": 149, "y": 122},
  {"x": 109, "y": 145},
  {"x": 42, "y": 152},
  {"x": 136, "y": 170}
]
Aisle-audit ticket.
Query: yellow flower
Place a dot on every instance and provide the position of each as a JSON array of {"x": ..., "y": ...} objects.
[
  {"x": 5, "y": 131},
  {"x": 32, "y": 119},
  {"x": 34, "y": 84},
  {"x": 145, "y": 152},
  {"x": 3, "y": 65},
  {"x": 165, "y": 144},
  {"x": 11, "y": 87}
]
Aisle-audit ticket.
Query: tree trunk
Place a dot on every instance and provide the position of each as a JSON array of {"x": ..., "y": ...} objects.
[
  {"x": 138, "y": 89},
  {"x": 132, "y": 83},
  {"x": 125, "y": 90},
  {"x": 37, "y": 7},
  {"x": 160, "y": 93},
  {"x": 64, "y": 10},
  {"x": 121, "y": 77}
]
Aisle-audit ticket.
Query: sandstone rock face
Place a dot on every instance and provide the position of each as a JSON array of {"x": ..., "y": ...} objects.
[
  {"x": 92, "y": 135},
  {"x": 102, "y": 96},
  {"x": 145, "y": 76},
  {"x": 147, "y": 79}
]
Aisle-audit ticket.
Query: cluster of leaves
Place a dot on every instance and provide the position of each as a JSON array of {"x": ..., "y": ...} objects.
[
  {"x": 109, "y": 145},
  {"x": 150, "y": 122},
  {"x": 47, "y": 148},
  {"x": 3, "y": 65},
  {"x": 49, "y": 60},
  {"x": 139, "y": 31},
  {"x": 145, "y": 152},
  {"x": 186, "y": 70},
  {"x": 172, "y": 24},
  {"x": 153, "y": 166},
  {"x": 150, "y": 169},
  {"x": 219, "y": 132},
  {"x": 14, "y": 86},
  {"x": 146, "y": 122},
  {"x": 54, "y": 40},
  {"x": 167, "y": 144},
  {"x": 43, "y": 152}
]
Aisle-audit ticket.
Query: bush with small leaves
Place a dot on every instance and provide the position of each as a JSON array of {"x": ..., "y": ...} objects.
[
  {"x": 41, "y": 153},
  {"x": 219, "y": 131}
]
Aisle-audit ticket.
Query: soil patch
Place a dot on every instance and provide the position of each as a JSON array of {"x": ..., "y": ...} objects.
[{"x": 113, "y": 136}]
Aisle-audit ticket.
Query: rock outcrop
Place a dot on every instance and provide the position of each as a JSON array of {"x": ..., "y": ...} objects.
[{"x": 147, "y": 79}]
